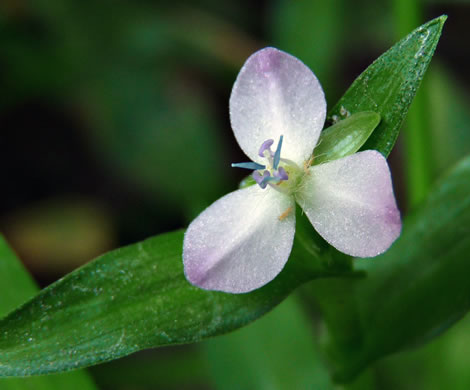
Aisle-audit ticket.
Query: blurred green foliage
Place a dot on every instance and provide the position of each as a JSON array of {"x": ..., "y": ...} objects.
[
  {"x": 144, "y": 85},
  {"x": 277, "y": 352}
]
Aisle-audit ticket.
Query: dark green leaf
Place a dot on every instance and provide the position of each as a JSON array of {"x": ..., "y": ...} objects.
[
  {"x": 129, "y": 299},
  {"x": 16, "y": 286},
  {"x": 345, "y": 137},
  {"x": 389, "y": 85},
  {"x": 418, "y": 288}
]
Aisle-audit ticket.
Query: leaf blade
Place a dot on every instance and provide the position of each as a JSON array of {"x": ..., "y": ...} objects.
[
  {"x": 389, "y": 84},
  {"x": 16, "y": 287},
  {"x": 132, "y": 298},
  {"x": 16, "y": 284}
]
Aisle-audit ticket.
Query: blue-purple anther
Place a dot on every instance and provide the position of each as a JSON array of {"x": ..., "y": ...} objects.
[
  {"x": 262, "y": 179},
  {"x": 281, "y": 174},
  {"x": 266, "y": 145},
  {"x": 271, "y": 172}
]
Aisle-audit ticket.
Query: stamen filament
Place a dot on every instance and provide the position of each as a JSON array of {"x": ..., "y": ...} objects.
[
  {"x": 270, "y": 179},
  {"x": 277, "y": 153}
]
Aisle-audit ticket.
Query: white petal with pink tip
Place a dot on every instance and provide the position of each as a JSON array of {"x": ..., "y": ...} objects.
[
  {"x": 239, "y": 243},
  {"x": 276, "y": 94},
  {"x": 350, "y": 203}
]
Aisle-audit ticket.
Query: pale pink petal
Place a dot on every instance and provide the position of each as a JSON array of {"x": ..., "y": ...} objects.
[
  {"x": 350, "y": 203},
  {"x": 276, "y": 94},
  {"x": 239, "y": 243}
]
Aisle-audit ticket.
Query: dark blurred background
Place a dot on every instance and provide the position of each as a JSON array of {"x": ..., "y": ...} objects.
[{"x": 114, "y": 114}]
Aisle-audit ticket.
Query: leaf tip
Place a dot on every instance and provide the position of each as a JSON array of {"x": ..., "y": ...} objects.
[
  {"x": 440, "y": 20},
  {"x": 374, "y": 117}
]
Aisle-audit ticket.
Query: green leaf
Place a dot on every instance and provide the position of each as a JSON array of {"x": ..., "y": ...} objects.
[
  {"x": 16, "y": 286},
  {"x": 129, "y": 299},
  {"x": 418, "y": 288},
  {"x": 389, "y": 84},
  {"x": 247, "y": 182},
  {"x": 345, "y": 137}
]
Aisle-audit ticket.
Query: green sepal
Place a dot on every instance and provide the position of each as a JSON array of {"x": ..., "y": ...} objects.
[
  {"x": 345, "y": 137},
  {"x": 247, "y": 182}
]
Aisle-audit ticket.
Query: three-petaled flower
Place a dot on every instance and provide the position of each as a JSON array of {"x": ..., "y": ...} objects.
[{"x": 243, "y": 240}]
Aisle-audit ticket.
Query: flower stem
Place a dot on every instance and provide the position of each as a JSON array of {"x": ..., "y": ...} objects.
[{"x": 416, "y": 137}]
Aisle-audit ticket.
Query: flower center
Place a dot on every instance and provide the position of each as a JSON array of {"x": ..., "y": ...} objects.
[{"x": 279, "y": 173}]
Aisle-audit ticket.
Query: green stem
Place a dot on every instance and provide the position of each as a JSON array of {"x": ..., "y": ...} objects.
[{"x": 416, "y": 137}]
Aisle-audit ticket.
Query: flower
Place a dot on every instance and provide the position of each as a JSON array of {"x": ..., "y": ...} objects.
[{"x": 243, "y": 240}]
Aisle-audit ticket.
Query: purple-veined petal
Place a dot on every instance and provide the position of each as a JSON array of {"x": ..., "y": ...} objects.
[
  {"x": 276, "y": 94},
  {"x": 239, "y": 243},
  {"x": 350, "y": 203}
]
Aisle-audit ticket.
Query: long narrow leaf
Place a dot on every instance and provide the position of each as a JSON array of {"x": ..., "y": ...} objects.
[
  {"x": 389, "y": 84},
  {"x": 132, "y": 298},
  {"x": 16, "y": 286}
]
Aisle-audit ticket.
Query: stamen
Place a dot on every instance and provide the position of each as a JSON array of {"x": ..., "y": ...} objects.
[
  {"x": 281, "y": 174},
  {"x": 260, "y": 179},
  {"x": 248, "y": 165},
  {"x": 264, "y": 179},
  {"x": 268, "y": 180},
  {"x": 266, "y": 145},
  {"x": 277, "y": 154},
  {"x": 285, "y": 214}
]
